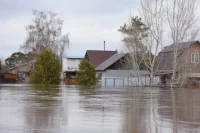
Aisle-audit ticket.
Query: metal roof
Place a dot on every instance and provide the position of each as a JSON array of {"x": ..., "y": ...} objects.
[
  {"x": 96, "y": 57},
  {"x": 73, "y": 57},
  {"x": 109, "y": 62}
]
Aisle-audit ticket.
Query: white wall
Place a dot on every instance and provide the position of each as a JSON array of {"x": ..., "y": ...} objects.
[{"x": 70, "y": 64}]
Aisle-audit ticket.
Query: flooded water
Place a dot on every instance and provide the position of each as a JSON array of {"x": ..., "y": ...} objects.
[{"x": 68, "y": 109}]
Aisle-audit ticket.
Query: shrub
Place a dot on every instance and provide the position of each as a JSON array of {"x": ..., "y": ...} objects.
[
  {"x": 86, "y": 73},
  {"x": 46, "y": 69}
]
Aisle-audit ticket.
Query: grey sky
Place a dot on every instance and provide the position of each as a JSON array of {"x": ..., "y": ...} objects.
[{"x": 89, "y": 22}]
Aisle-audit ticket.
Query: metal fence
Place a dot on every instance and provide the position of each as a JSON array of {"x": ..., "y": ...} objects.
[{"x": 128, "y": 81}]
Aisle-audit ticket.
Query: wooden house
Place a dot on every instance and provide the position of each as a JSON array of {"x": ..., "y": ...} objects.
[
  {"x": 188, "y": 66},
  {"x": 22, "y": 70}
]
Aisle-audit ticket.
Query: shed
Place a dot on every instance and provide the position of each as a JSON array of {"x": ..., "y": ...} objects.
[{"x": 9, "y": 78}]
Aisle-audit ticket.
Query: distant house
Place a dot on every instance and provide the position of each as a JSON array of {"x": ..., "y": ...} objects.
[
  {"x": 188, "y": 66},
  {"x": 23, "y": 71},
  {"x": 70, "y": 67},
  {"x": 8, "y": 78},
  {"x": 111, "y": 71}
]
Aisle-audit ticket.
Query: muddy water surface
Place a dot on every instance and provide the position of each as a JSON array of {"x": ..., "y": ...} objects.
[{"x": 69, "y": 109}]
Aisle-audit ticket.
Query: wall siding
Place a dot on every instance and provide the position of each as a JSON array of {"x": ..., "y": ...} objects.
[{"x": 185, "y": 67}]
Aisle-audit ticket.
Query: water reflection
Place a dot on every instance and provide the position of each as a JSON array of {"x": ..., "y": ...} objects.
[
  {"x": 60, "y": 109},
  {"x": 43, "y": 111},
  {"x": 181, "y": 109},
  {"x": 134, "y": 111},
  {"x": 100, "y": 109}
]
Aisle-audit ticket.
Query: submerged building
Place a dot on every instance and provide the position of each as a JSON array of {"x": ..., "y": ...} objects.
[{"x": 70, "y": 67}]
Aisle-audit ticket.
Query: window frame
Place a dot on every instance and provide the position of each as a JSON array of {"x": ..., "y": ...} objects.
[{"x": 193, "y": 61}]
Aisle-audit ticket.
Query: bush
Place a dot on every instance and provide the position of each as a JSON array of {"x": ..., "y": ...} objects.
[
  {"x": 86, "y": 73},
  {"x": 46, "y": 69}
]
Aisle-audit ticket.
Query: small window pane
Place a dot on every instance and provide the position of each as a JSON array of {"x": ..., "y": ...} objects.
[{"x": 195, "y": 58}]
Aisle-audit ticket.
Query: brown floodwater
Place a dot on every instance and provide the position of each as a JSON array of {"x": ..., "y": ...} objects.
[{"x": 69, "y": 109}]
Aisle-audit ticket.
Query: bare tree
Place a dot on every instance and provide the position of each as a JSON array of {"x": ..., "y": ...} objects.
[
  {"x": 45, "y": 32},
  {"x": 182, "y": 21},
  {"x": 152, "y": 12}
]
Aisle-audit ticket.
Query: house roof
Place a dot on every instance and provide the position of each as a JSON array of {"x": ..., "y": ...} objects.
[
  {"x": 74, "y": 57},
  {"x": 109, "y": 62},
  {"x": 28, "y": 63},
  {"x": 164, "y": 59},
  {"x": 180, "y": 46},
  {"x": 98, "y": 56}
]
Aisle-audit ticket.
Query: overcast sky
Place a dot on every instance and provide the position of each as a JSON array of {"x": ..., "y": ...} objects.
[{"x": 89, "y": 22}]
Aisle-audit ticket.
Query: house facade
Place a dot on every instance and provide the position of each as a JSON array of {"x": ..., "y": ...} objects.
[
  {"x": 188, "y": 66},
  {"x": 111, "y": 69},
  {"x": 23, "y": 71},
  {"x": 69, "y": 68}
]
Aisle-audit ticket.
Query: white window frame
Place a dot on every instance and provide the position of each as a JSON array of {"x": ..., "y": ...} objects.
[{"x": 193, "y": 59}]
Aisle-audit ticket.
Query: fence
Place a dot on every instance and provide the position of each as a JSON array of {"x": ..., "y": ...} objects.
[{"x": 128, "y": 81}]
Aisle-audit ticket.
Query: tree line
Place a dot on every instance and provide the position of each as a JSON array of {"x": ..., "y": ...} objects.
[{"x": 44, "y": 44}]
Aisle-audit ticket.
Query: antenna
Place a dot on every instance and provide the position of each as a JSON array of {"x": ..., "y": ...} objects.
[{"x": 104, "y": 42}]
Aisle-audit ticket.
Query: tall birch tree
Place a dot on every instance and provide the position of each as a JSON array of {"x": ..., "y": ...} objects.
[
  {"x": 152, "y": 12},
  {"x": 46, "y": 33}
]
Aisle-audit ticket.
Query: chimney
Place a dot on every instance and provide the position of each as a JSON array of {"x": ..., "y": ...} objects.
[{"x": 104, "y": 42}]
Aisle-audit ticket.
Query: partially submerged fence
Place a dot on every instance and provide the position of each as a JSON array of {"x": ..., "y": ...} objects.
[{"x": 128, "y": 81}]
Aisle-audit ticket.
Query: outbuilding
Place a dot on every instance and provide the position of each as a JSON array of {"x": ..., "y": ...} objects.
[{"x": 9, "y": 78}]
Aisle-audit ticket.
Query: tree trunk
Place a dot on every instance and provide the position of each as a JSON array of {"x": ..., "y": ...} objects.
[{"x": 151, "y": 77}]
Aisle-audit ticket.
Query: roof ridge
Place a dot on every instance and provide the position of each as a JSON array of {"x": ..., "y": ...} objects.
[{"x": 181, "y": 46}]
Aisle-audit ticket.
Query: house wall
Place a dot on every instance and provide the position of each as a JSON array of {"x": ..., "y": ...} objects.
[
  {"x": 24, "y": 68},
  {"x": 125, "y": 78},
  {"x": 116, "y": 73},
  {"x": 70, "y": 64},
  {"x": 8, "y": 78},
  {"x": 185, "y": 62}
]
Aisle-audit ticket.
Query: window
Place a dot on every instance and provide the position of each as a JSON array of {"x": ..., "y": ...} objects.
[
  {"x": 99, "y": 75},
  {"x": 194, "y": 58}
]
